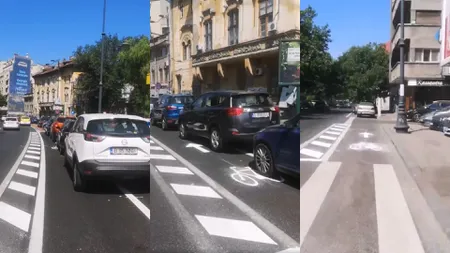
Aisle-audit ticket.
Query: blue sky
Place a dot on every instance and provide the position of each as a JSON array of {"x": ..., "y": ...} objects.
[
  {"x": 352, "y": 22},
  {"x": 53, "y": 29}
]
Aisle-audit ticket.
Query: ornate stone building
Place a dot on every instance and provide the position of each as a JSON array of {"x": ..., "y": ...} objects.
[{"x": 231, "y": 44}]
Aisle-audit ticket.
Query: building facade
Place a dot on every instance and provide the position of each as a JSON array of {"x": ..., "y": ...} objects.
[
  {"x": 423, "y": 80},
  {"x": 160, "y": 63},
  {"x": 53, "y": 92},
  {"x": 230, "y": 44}
]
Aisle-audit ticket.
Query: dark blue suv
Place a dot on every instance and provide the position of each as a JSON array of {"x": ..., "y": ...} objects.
[
  {"x": 168, "y": 109},
  {"x": 277, "y": 148}
]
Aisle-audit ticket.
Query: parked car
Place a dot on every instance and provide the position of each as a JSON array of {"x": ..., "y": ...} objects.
[
  {"x": 168, "y": 109},
  {"x": 227, "y": 116},
  {"x": 4, "y": 118},
  {"x": 57, "y": 126},
  {"x": 320, "y": 106},
  {"x": 277, "y": 148},
  {"x": 366, "y": 109},
  {"x": 25, "y": 121},
  {"x": 61, "y": 136},
  {"x": 34, "y": 120},
  {"x": 42, "y": 120},
  {"x": 437, "y": 118},
  {"x": 415, "y": 114},
  {"x": 11, "y": 123},
  {"x": 107, "y": 146}
]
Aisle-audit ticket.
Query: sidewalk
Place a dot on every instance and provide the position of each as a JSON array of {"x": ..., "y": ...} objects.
[{"x": 426, "y": 155}]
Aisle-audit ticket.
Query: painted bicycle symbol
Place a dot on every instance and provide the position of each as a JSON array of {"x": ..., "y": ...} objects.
[
  {"x": 247, "y": 176},
  {"x": 361, "y": 146}
]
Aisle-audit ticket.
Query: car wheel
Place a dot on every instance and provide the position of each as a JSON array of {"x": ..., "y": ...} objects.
[
  {"x": 164, "y": 125},
  {"x": 79, "y": 183},
  {"x": 416, "y": 117},
  {"x": 183, "y": 131},
  {"x": 215, "y": 140},
  {"x": 263, "y": 160}
]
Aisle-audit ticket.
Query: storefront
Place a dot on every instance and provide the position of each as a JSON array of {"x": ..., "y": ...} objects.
[{"x": 422, "y": 92}]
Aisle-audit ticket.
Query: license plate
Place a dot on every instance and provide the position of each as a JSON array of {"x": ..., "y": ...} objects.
[
  {"x": 260, "y": 115},
  {"x": 123, "y": 151}
]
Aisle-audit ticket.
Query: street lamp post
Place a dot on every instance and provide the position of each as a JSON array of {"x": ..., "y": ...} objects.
[
  {"x": 401, "y": 125},
  {"x": 100, "y": 88}
]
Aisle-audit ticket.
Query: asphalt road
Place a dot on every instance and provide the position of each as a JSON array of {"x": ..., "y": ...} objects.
[
  {"x": 361, "y": 198},
  {"x": 312, "y": 124},
  {"x": 266, "y": 209}
]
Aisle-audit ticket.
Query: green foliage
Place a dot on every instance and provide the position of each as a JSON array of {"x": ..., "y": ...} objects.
[
  {"x": 317, "y": 65},
  {"x": 364, "y": 71},
  {"x": 3, "y": 101}
]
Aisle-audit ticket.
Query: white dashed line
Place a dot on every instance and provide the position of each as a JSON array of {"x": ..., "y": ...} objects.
[
  {"x": 145, "y": 210},
  {"x": 15, "y": 216},
  {"x": 27, "y": 173},
  {"x": 194, "y": 190},
  {"x": 321, "y": 144},
  {"x": 33, "y": 152},
  {"x": 32, "y": 164},
  {"x": 310, "y": 152},
  {"x": 162, "y": 157},
  {"x": 333, "y": 132},
  {"x": 174, "y": 170},
  {"x": 34, "y": 148},
  {"x": 33, "y": 157},
  {"x": 23, "y": 188},
  {"x": 155, "y": 148}
]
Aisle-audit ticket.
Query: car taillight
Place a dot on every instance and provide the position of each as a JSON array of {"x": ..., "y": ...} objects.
[
  {"x": 275, "y": 109},
  {"x": 235, "y": 111},
  {"x": 171, "y": 107},
  {"x": 93, "y": 137},
  {"x": 146, "y": 139}
]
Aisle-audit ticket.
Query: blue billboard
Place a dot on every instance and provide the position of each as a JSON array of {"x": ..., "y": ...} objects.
[{"x": 19, "y": 83}]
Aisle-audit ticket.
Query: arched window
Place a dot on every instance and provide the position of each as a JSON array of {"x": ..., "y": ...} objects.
[{"x": 186, "y": 50}]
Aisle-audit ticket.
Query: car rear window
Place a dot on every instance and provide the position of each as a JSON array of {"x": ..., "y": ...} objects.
[
  {"x": 122, "y": 127},
  {"x": 181, "y": 100},
  {"x": 11, "y": 119},
  {"x": 25, "y": 118},
  {"x": 252, "y": 100}
]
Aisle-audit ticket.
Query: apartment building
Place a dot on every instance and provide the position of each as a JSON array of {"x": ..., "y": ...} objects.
[
  {"x": 53, "y": 92},
  {"x": 423, "y": 80},
  {"x": 230, "y": 44}
]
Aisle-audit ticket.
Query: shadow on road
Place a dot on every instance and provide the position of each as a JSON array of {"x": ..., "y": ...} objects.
[{"x": 285, "y": 179}]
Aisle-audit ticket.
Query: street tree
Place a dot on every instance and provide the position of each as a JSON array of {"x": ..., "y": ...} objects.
[
  {"x": 135, "y": 64},
  {"x": 87, "y": 60},
  {"x": 364, "y": 71},
  {"x": 3, "y": 101},
  {"x": 317, "y": 65}
]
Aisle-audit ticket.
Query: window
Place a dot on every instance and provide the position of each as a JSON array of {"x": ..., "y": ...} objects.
[
  {"x": 426, "y": 55},
  {"x": 160, "y": 75},
  {"x": 186, "y": 50},
  {"x": 265, "y": 16},
  {"x": 233, "y": 27},
  {"x": 215, "y": 100},
  {"x": 208, "y": 35},
  {"x": 166, "y": 73},
  {"x": 252, "y": 100},
  {"x": 164, "y": 52},
  {"x": 198, "y": 103},
  {"x": 153, "y": 75},
  {"x": 181, "y": 100},
  {"x": 122, "y": 127}
]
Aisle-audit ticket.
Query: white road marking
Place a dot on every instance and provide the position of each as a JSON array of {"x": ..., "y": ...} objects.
[
  {"x": 313, "y": 193},
  {"x": 155, "y": 148},
  {"x": 310, "y": 152},
  {"x": 37, "y": 227},
  {"x": 326, "y": 137},
  {"x": 366, "y": 135},
  {"x": 33, "y": 152},
  {"x": 348, "y": 115},
  {"x": 15, "y": 216},
  {"x": 35, "y": 145},
  {"x": 198, "y": 147},
  {"x": 34, "y": 148},
  {"x": 33, "y": 157},
  {"x": 195, "y": 190},
  {"x": 310, "y": 160},
  {"x": 237, "y": 229},
  {"x": 27, "y": 173},
  {"x": 247, "y": 154},
  {"x": 32, "y": 164},
  {"x": 321, "y": 144},
  {"x": 336, "y": 129},
  {"x": 396, "y": 229},
  {"x": 152, "y": 142},
  {"x": 23, "y": 188},
  {"x": 290, "y": 250},
  {"x": 174, "y": 170},
  {"x": 136, "y": 202},
  {"x": 331, "y": 150},
  {"x": 162, "y": 157},
  {"x": 333, "y": 132}
]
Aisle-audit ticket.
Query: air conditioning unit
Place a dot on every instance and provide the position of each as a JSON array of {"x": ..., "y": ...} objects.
[
  {"x": 259, "y": 72},
  {"x": 166, "y": 63},
  {"x": 445, "y": 71},
  {"x": 272, "y": 27}
]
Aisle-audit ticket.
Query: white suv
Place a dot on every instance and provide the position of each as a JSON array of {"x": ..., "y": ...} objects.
[{"x": 108, "y": 146}]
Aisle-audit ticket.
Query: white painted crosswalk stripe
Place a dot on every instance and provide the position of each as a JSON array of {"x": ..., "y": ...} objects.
[
  {"x": 313, "y": 193},
  {"x": 15, "y": 216},
  {"x": 35, "y": 145},
  {"x": 236, "y": 229},
  {"x": 310, "y": 152},
  {"x": 174, "y": 170},
  {"x": 33, "y": 152},
  {"x": 332, "y": 132},
  {"x": 321, "y": 144},
  {"x": 336, "y": 129},
  {"x": 32, "y": 164},
  {"x": 326, "y": 137},
  {"x": 32, "y": 157},
  {"x": 155, "y": 148},
  {"x": 152, "y": 142},
  {"x": 27, "y": 173},
  {"x": 34, "y": 148},
  {"x": 396, "y": 228},
  {"x": 23, "y": 188},
  {"x": 195, "y": 190},
  {"x": 162, "y": 157}
]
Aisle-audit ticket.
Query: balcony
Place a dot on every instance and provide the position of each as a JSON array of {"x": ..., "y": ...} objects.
[
  {"x": 420, "y": 35},
  {"x": 416, "y": 70}
]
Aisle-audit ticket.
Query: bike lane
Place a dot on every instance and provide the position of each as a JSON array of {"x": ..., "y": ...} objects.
[{"x": 276, "y": 201}]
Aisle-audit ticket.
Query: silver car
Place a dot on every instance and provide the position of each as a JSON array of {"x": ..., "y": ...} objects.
[{"x": 366, "y": 109}]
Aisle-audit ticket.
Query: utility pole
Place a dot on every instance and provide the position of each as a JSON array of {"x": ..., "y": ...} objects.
[
  {"x": 401, "y": 126},
  {"x": 100, "y": 88}
]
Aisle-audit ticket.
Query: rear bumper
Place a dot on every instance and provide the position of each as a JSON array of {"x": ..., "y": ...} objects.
[
  {"x": 114, "y": 170},
  {"x": 366, "y": 113},
  {"x": 11, "y": 127}
]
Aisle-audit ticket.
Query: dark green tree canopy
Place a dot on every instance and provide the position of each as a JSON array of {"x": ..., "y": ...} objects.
[{"x": 3, "y": 101}]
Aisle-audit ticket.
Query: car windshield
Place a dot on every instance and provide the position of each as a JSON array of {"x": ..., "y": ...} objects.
[
  {"x": 25, "y": 118},
  {"x": 252, "y": 100},
  {"x": 181, "y": 100},
  {"x": 122, "y": 127},
  {"x": 11, "y": 119}
]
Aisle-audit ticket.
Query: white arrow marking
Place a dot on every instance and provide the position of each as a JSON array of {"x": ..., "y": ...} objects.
[
  {"x": 198, "y": 147},
  {"x": 366, "y": 135}
]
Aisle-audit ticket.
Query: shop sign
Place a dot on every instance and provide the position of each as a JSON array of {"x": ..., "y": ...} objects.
[
  {"x": 57, "y": 108},
  {"x": 430, "y": 83}
]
